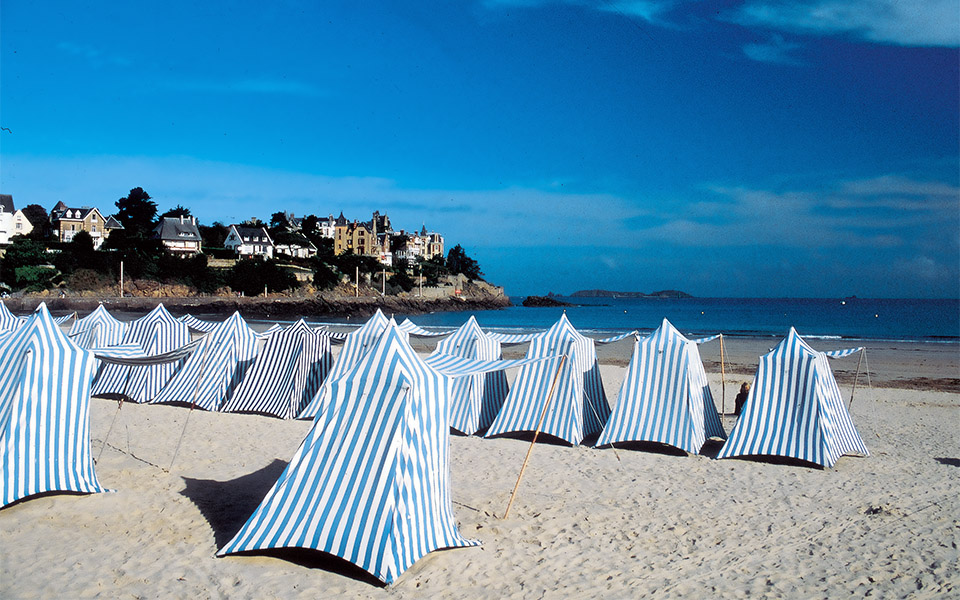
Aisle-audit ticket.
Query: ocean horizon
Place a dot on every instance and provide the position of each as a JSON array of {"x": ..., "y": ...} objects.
[{"x": 893, "y": 319}]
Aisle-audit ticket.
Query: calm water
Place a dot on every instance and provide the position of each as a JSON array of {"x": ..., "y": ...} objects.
[{"x": 853, "y": 318}]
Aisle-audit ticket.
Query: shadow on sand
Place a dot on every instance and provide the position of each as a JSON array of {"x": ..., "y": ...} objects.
[{"x": 226, "y": 505}]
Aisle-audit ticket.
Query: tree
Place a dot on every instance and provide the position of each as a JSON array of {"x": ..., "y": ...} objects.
[
  {"x": 213, "y": 236},
  {"x": 40, "y": 219},
  {"x": 325, "y": 277},
  {"x": 22, "y": 254},
  {"x": 309, "y": 224},
  {"x": 279, "y": 220},
  {"x": 36, "y": 214},
  {"x": 432, "y": 270},
  {"x": 176, "y": 212},
  {"x": 459, "y": 262},
  {"x": 136, "y": 212},
  {"x": 251, "y": 276}
]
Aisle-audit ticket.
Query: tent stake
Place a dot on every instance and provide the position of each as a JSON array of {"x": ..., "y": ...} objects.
[
  {"x": 193, "y": 404},
  {"x": 723, "y": 381},
  {"x": 856, "y": 377},
  {"x": 535, "y": 434},
  {"x": 112, "y": 423}
]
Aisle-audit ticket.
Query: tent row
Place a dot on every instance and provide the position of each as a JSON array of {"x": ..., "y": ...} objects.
[
  {"x": 664, "y": 398},
  {"x": 370, "y": 482}
]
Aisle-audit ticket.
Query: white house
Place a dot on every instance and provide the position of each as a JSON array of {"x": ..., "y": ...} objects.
[
  {"x": 248, "y": 242},
  {"x": 12, "y": 222},
  {"x": 179, "y": 235},
  {"x": 295, "y": 245}
]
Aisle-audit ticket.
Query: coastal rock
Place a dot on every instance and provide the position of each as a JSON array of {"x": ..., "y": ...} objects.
[{"x": 543, "y": 301}]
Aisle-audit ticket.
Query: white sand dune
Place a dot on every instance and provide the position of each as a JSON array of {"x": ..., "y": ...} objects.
[{"x": 586, "y": 522}]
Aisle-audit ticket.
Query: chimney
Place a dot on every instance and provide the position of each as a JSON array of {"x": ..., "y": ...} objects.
[{"x": 181, "y": 219}]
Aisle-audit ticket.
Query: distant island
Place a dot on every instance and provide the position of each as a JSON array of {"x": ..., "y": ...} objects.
[
  {"x": 544, "y": 302},
  {"x": 610, "y": 294}
]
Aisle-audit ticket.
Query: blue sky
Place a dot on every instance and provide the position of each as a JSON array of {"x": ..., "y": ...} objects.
[{"x": 739, "y": 148}]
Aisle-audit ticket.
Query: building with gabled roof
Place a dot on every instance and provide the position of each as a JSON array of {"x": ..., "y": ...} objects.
[
  {"x": 12, "y": 222},
  {"x": 179, "y": 235},
  {"x": 68, "y": 222},
  {"x": 249, "y": 242}
]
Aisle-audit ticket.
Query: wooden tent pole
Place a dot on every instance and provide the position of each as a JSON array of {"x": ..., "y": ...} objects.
[
  {"x": 193, "y": 405},
  {"x": 536, "y": 433},
  {"x": 856, "y": 377},
  {"x": 723, "y": 380}
]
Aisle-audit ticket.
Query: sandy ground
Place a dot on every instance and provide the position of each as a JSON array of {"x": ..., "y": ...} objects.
[{"x": 586, "y": 523}]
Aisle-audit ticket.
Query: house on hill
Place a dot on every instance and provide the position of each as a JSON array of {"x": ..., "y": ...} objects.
[
  {"x": 68, "y": 222},
  {"x": 250, "y": 242},
  {"x": 366, "y": 238},
  {"x": 179, "y": 235},
  {"x": 294, "y": 244},
  {"x": 12, "y": 222}
]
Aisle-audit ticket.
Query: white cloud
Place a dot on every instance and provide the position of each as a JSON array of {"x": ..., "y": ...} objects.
[
  {"x": 776, "y": 50},
  {"x": 515, "y": 216},
  {"x": 92, "y": 55},
  {"x": 648, "y": 10},
  {"x": 901, "y": 22},
  {"x": 883, "y": 212}
]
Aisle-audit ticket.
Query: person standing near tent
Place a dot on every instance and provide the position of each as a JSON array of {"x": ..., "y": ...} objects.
[{"x": 741, "y": 398}]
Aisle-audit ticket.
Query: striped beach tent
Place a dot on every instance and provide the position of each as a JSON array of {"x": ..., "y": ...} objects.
[
  {"x": 665, "y": 396},
  {"x": 209, "y": 377},
  {"x": 287, "y": 372},
  {"x": 157, "y": 332},
  {"x": 415, "y": 330},
  {"x": 370, "y": 483},
  {"x": 794, "y": 409},
  {"x": 579, "y": 404},
  {"x": 200, "y": 325},
  {"x": 44, "y": 412},
  {"x": 475, "y": 399},
  {"x": 8, "y": 320},
  {"x": 355, "y": 347},
  {"x": 99, "y": 329}
]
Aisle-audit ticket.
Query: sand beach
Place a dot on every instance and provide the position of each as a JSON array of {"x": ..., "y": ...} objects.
[{"x": 612, "y": 523}]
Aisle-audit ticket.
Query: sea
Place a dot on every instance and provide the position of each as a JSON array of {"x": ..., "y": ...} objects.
[{"x": 924, "y": 320}]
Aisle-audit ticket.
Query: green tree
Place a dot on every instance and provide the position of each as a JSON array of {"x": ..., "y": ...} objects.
[
  {"x": 325, "y": 277},
  {"x": 40, "y": 219},
  {"x": 215, "y": 235},
  {"x": 136, "y": 212},
  {"x": 23, "y": 252},
  {"x": 176, "y": 212},
  {"x": 432, "y": 270},
  {"x": 278, "y": 220},
  {"x": 309, "y": 225},
  {"x": 459, "y": 262},
  {"x": 251, "y": 276}
]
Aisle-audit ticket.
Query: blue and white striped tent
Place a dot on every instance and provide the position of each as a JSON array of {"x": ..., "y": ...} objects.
[
  {"x": 99, "y": 329},
  {"x": 287, "y": 372},
  {"x": 475, "y": 399},
  {"x": 415, "y": 330},
  {"x": 370, "y": 483},
  {"x": 209, "y": 377},
  {"x": 794, "y": 409},
  {"x": 200, "y": 325},
  {"x": 157, "y": 333},
  {"x": 44, "y": 412},
  {"x": 355, "y": 347},
  {"x": 8, "y": 320},
  {"x": 665, "y": 396},
  {"x": 579, "y": 405}
]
